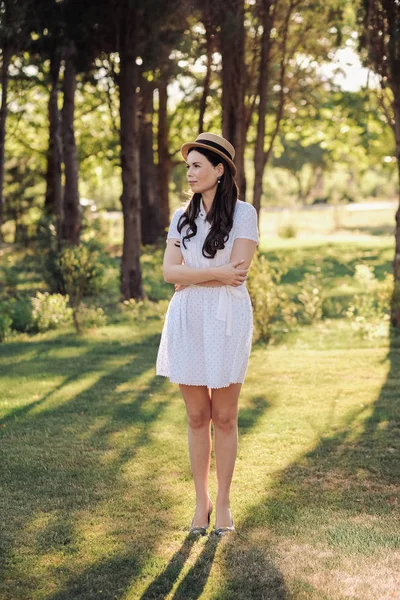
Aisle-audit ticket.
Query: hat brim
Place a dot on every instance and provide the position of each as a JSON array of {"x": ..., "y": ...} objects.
[{"x": 186, "y": 147}]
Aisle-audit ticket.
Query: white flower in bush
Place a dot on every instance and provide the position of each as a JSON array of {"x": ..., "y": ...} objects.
[{"x": 51, "y": 311}]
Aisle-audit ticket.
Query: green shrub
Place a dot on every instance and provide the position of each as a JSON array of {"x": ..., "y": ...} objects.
[
  {"x": 5, "y": 324},
  {"x": 90, "y": 317},
  {"x": 82, "y": 273},
  {"x": 8, "y": 280},
  {"x": 22, "y": 315},
  {"x": 272, "y": 310},
  {"x": 310, "y": 299},
  {"x": 370, "y": 309},
  {"x": 287, "y": 231},
  {"x": 49, "y": 255},
  {"x": 51, "y": 311},
  {"x": 334, "y": 308},
  {"x": 141, "y": 310}
]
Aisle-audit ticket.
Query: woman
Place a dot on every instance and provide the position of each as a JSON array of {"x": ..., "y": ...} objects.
[{"x": 206, "y": 339}]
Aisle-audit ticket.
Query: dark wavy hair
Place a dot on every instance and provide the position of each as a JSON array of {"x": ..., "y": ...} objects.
[{"x": 221, "y": 213}]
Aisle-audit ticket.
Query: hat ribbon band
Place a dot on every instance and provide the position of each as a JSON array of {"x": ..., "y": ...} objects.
[{"x": 216, "y": 146}]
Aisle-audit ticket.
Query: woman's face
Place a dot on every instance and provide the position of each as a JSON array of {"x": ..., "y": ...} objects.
[{"x": 201, "y": 174}]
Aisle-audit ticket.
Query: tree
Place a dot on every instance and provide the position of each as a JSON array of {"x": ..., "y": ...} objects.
[
  {"x": 13, "y": 37},
  {"x": 379, "y": 21}
]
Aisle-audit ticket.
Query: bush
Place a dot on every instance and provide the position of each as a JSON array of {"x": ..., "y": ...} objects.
[
  {"x": 50, "y": 311},
  {"x": 90, "y": 317},
  {"x": 310, "y": 299},
  {"x": 82, "y": 273},
  {"x": 49, "y": 255},
  {"x": 370, "y": 309},
  {"x": 8, "y": 281},
  {"x": 287, "y": 231},
  {"x": 272, "y": 311},
  {"x": 5, "y": 324},
  {"x": 22, "y": 315},
  {"x": 142, "y": 310}
]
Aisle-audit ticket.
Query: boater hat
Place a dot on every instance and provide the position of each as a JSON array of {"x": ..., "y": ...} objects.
[{"x": 213, "y": 142}]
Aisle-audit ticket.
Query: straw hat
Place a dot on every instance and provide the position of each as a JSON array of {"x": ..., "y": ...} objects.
[{"x": 213, "y": 142}]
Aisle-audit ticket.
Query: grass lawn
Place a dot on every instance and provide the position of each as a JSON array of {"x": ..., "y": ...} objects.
[{"x": 96, "y": 491}]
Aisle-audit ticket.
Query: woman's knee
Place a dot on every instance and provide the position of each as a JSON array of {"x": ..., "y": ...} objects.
[
  {"x": 198, "y": 419},
  {"x": 226, "y": 421}
]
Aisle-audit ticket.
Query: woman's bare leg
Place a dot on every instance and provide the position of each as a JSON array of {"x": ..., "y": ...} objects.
[
  {"x": 198, "y": 409},
  {"x": 224, "y": 414}
]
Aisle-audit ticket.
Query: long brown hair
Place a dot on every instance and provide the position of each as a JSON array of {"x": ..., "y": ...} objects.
[{"x": 221, "y": 213}]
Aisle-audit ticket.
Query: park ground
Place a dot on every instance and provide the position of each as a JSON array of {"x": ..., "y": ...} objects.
[{"x": 96, "y": 490}]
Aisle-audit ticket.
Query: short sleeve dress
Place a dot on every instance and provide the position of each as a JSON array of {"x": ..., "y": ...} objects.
[{"x": 207, "y": 332}]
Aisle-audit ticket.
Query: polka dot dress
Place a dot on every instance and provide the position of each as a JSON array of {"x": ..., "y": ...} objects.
[{"x": 207, "y": 332}]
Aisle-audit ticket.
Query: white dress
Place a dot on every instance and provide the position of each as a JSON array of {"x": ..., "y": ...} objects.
[{"x": 207, "y": 333}]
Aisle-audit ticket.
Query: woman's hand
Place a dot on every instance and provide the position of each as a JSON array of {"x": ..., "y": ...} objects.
[
  {"x": 230, "y": 275},
  {"x": 179, "y": 286}
]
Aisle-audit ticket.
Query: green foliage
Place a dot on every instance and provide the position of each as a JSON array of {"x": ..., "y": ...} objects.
[
  {"x": 8, "y": 280},
  {"x": 49, "y": 255},
  {"x": 91, "y": 317},
  {"x": 287, "y": 231},
  {"x": 272, "y": 309},
  {"x": 370, "y": 309},
  {"x": 139, "y": 311},
  {"x": 51, "y": 311},
  {"x": 22, "y": 314},
  {"x": 82, "y": 274},
  {"x": 310, "y": 298},
  {"x": 5, "y": 324}
]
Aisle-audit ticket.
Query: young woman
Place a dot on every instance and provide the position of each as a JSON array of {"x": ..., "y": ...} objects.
[{"x": 207, "y": 334}]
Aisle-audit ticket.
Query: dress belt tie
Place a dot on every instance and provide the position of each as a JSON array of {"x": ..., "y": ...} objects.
[{"x": 224, "y": 309}]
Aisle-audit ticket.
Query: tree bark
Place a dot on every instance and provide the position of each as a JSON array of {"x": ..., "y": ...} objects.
[
  {"x": 164, "y": 164},
  {"x": 259, "y": 165},
  {"x": 3, "y": 118},
  {"x": 395, "y": 304},
  {"x": 207, "y": 79},
  {"x": 131, "y": 276},
  {"x": 150, "y": 216},
  {"x": 232, "y": 43},
  {"x": 71, "y": 226},
  {"x": 54, "y": 198}
]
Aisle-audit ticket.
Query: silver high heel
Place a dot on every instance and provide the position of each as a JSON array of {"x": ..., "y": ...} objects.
[
  {"x": 225, "y": 530},
  {"x": 202, "y": 530}
]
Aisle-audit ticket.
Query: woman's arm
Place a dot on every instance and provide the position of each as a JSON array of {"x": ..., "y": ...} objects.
[{"x": 211, "y": 283}]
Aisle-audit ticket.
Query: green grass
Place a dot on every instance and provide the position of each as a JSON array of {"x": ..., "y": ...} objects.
[{"x": 96, "y": 490}]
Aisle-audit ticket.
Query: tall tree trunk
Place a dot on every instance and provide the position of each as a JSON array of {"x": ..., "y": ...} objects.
[
  {"x": 54, "y": 198},
  {"x": 259, "y": 165},
  {"x": 395, "y": 304},
  {"x": 150, "y": 216},
  {"x": 232, "y": 38},
  {"x": 131, "y": 276},
  {"x": 71, "y": 226},
  {"x": 210, "y": 41},
  {"x": 3, "y": 118},
  {"x": 163, "y": 151}
]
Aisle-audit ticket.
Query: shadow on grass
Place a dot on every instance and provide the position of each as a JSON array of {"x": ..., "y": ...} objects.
[
  {"x": 331, "y": 261},
  {"x": 65, "y": 462},
  {"x": 338, "y": 502},
  {"x": 60, "y": 462}
]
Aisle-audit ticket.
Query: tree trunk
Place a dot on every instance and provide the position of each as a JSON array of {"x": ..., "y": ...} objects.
[
  {"x": 71, "y": 226},
  {"x": 3, "y": 118},
  {"x": 207, "y": 79},
  {"x": 395, "y": 304},
  {"x": 54, "y": 199},
  {"x": 131, "y": 276},
  {"x": 163, "y": 152},
  {"x": 263, "y": 82},
  {"x": 232, "y": 42},
  {"x": 150, "y": 216}
]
